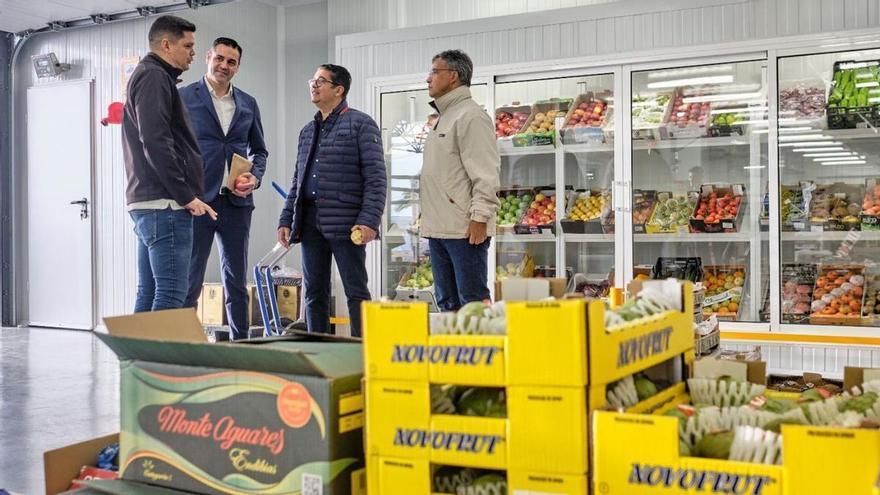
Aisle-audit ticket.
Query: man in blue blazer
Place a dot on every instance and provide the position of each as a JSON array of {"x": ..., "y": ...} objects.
[{"x": 225, "y": 120}]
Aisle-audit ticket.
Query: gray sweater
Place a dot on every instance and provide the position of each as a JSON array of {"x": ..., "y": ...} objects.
[{"x": 161, "y": 154}]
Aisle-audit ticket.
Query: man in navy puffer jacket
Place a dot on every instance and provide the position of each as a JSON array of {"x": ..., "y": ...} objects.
[{"x": 337, "y": 198}]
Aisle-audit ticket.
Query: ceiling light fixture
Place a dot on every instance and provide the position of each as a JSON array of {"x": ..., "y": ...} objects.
[{"x": 693, "y": 81}]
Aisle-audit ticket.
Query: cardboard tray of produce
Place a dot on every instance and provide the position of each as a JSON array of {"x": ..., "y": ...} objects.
[
  {"x": 512, "y": 109},
  {"x": 592, "y": 130},
  {"x": 544, "y": 196},
  {"x": 547, "y": 138},
  {"x": 725, "y": 288},
  {"x": 592, "y": 225},
  {"x": 678, "y": 122},
  {"x": 838, "y": 295},
  {"x": 798, "y": 283},
  {"x": 643, "y": 207},
  {"x": 735, "y": 191},
  {"x": 870, "y": 214},
  {"x": 522, "y": 194},
  {"x": 660, "y": 221},
  {"x": 835, "y": 207}
]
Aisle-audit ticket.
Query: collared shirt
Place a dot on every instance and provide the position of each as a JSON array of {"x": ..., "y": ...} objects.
[{"x": 225, "y": 108}]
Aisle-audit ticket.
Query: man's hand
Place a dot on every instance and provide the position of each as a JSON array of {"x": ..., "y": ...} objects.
[
  {"x": 251, "y": 185},
  {"x": 367, "y": 233},
  {"x": 477, "y": 232},
  {"x": 197, "y": 208},
  {"x": 284, "y": 237}
]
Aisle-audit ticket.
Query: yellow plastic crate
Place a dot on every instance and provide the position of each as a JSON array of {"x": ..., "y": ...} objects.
[
  {"x": 545, "y": 345},
  {"x": 394, "y": 476},
  {"x": 546, "y": 429},
  {"x": 638, "y": 455}
]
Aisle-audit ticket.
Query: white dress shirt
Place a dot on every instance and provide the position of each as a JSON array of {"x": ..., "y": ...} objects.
[{"x": 225, "y": 108}]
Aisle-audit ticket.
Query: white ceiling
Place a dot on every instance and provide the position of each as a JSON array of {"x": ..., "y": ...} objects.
[{"x": 18, "y": 15}]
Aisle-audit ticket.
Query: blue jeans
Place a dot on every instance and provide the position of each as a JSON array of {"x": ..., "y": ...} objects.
[
  {"x": 460, "y": 272},
  {"x": 232, "y": 230},
  {"x": 317, "y": 254},
  {"x": 164, "y": 249}
]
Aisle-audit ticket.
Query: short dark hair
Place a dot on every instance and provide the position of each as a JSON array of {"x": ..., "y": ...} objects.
[
  {"x": 341, "y": 76},
  {"x": 169, "y": 25},
  {"x": 231, "y": 43},
  {"x": 458, "y": 61}
]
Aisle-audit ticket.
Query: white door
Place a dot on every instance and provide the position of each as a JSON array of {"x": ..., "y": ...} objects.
[{"x": 59, "y": 205}]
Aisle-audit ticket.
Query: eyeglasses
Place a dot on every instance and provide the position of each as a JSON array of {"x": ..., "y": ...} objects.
[
  {"x": 434, "y": 72},
  {"x": 317, "y": 83}
]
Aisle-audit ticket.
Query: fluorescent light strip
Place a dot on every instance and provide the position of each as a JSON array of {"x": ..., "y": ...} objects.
[
  {"x": 805, "y": 137},
  {"x": 692, "y": 81},
  {"x": 848, "y": 162},
  {"x": 872, "y": 84},
  {"x": 797, "y": 129},
  {"x": 857, "y": 65},
  {"x": 839, "y": 153},
  {"x": 754, "y": 167},
  {"x": 810, "y": 143},
  {"x": 839, "y": 158},
  {"x": 689, "y": 71},
  {"x": 750, "y": 122},
  {"x": 720, "y": 97},
  {"x": 760, "y": 131},
  {"x": 810, "y": 150}
]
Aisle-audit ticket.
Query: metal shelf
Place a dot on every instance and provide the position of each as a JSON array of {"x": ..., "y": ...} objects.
[
  {"x": 525, "y": 238},
  {"x": 588, "y": 237},
  {"x": 691, "y": 237}
]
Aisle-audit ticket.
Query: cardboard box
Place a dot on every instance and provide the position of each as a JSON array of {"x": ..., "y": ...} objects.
[
  {"x": 530, "y": 289},
  {"x": 255, "y": 317},
  {"x": 288, "y": 301},
  {"x": 62, "y": 465},
  {"x": 213, "y": 305},
  {"x": 215, "y": 418}
]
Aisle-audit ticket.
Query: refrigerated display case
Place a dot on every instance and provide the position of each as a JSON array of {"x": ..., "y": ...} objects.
[
  {"x": 405, "y": 117},
  {"x": 761, "y": 167},
  {"x": 556, "y": 141},
  {"x": 829, "y": 149},
  {"x": 699, "y": 174}
]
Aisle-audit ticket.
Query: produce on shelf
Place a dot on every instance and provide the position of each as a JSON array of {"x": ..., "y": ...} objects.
[
  {"x": 512, "y": 207},
  {"x": 543, "y": 122},
  {"x": 587, "y": 114},
  {"x": 715, "y": 207},
  {"x": 647, "y": 113},
  {"x": 541, "y": 211},
  {"x": 871, "y": 202},
  {"x": 421, "y": 278},
  {"x": 835, "y": 204},
  {"x": 672, "y": 212},
  {"x": 630, "y": 390},
  {"x": 592, "y": 287},
  {"x": 852, "y": 87},
  {"x": 474, "y": 318},
  {"x": 798, "y": 281},
  {"x": 724, "y": 119},
  {"x": 839, "y": 292},
  {"x": 724, "y": 287},
  {"x": 507, "y": 123},
  {"x": 688, "y": 114},
  {"x": 643, "y": 206},
  {"x": 792, "y": 205},
  {"x": 802, "y": 102},
  {"x": 722, "y": 392},
  {"x": 871, "y": 306},
  {"x": 589, "y": 206}
]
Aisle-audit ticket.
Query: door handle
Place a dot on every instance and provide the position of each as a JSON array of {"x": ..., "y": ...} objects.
[{"x": 84, "y": 207}]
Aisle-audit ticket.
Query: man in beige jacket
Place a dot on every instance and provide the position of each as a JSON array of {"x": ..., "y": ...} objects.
[{"x": 458, "y": 185}]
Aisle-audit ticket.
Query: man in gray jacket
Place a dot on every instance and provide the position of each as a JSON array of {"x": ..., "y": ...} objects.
[
  {"x": 163, "y": 167},
  {"x": 458, "y": 185}
]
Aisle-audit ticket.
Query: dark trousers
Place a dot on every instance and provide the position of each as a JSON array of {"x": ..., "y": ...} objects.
[
  {"x": 460, "y": 272},
  {"x": 232, "y": 230},
  {"x": 317, "y": 254}
]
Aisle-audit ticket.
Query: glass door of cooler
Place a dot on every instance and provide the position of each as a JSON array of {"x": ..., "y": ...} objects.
[
  {"x": 405, "y": 118},
  {"x": 555, "y": 138},
  {"x": 829, "y": 200},
  {"x": 700, "y": 183}
]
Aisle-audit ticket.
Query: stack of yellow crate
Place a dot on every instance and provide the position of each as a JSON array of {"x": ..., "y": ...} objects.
[{"x": 546, "y": 363}]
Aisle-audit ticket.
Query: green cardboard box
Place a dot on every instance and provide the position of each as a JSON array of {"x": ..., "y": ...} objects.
[{"x": 271, "y": 416}]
